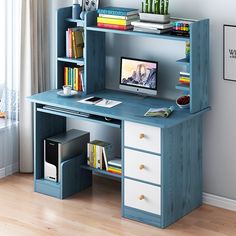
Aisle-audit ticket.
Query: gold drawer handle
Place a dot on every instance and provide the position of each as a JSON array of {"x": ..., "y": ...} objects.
[
  {"x": 141, "y": 167},
  {"x": 141, "y": 136},
  {"x": 141, "y": 197}
]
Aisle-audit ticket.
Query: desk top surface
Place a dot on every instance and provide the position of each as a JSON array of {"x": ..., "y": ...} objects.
[{"x": 132, "y": 107}]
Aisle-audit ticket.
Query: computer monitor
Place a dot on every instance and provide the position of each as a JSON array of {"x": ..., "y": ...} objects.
[{"x": 139, "y": 76}]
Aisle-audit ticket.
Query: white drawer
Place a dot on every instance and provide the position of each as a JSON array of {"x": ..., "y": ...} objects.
[
  {"x": 142, "y": 166},
  {"x": 142, "y": 196},
  {"x": 142, "y": 137}
]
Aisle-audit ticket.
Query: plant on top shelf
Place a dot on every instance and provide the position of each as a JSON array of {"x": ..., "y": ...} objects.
[{"x": 155, "y": 7}]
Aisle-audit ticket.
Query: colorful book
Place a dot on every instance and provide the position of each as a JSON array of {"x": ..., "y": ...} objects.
[
  {"x": 131, "y": 17},
  {"x": 113, "y": 21},
  {"x": 119, "y": 11},
  {"x": 118, "y": 27}
]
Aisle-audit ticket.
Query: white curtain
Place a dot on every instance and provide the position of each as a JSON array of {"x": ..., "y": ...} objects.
[
  {"x": 25, "y": 70},
  {"x": 34, "y": 71},
  {"x": 9, "y": 88}
]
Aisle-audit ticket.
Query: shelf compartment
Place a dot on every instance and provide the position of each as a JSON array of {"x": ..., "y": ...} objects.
[
  {"x": 183, "y": 87},
  {"x": 99, "y": 171},
  {"x": 77, "y": 21},
  {"x": 134, "y": 33},
  {"x": 183, "y": 61},
  {"x": 68, "y": 184},
  {"x": 78, "y": 61}
]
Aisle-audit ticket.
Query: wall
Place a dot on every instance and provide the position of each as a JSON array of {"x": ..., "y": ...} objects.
[{"x": 219, "y": 130}]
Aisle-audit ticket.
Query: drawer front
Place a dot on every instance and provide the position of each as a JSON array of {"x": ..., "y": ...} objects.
[
  {"x": 142, "y": 137},
  {"x": 142, "y": 166},
  {"x": 142, "y": 196}
]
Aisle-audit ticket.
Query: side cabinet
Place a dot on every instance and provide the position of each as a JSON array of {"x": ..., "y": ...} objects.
[{"x": 162, "y": 179}]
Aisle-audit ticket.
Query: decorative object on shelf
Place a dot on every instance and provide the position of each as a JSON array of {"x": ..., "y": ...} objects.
[
  {"x": 229, "y": 47},
  {"x": 187, "y": 51},
  {"x": 181, "y": 28},
  {"x": 90, "y": 5},
  {"x": 155, "y": 11},
  {"x": 163, "y": 112},
  {"x": 116, "y": 18},
  {"x": 76, "y": 10},
  {"x": 183, "y": 101}
]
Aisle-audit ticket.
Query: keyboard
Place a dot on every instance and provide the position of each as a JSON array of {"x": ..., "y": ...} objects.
[{"x": 67, "y": 111}]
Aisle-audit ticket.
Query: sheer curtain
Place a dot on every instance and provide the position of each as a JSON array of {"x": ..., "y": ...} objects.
[
  {"x": 9, "y": 88},
  {"x": 23, "y": 66}
]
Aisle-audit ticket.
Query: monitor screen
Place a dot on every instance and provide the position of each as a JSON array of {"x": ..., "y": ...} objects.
[{"x": 138, "y": 75}]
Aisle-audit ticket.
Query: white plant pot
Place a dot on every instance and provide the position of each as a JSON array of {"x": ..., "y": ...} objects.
[{"x": 157, "y": 18}]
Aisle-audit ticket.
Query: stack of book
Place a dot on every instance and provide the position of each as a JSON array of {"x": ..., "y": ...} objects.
[
  {"x": 74, "y": 43},
  {"x": 184, "y": 79},
  {"x": 151, "y": 27},
  {"x": 114, "y": 166},
  {"x": 74, "y": 77},
  {"x": 99, "y": 153},
  {"x": 117, "y": 17}
]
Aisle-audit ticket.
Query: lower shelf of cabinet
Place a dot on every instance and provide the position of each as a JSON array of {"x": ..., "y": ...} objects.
[
  {"x": 47, "y": 187},
  {"x": 99, "y": 171}
]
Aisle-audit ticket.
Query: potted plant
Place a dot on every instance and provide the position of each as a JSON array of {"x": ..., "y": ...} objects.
[{"x": 155, "y": 11}]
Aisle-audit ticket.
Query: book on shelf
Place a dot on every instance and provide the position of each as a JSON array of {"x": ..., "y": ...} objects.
[
  {"x": 74, "y": 43},
  {"x": 99, "y": 153},
  {"x": 151, "y": 25},
  {"x": 185, "y": 74},
  {"x": 116, "y": 27},
  {"x": 115, "y": 162},
  {"x": 152, "y": 30},
  {"x": 160, "y": 112},
  {"x": 115, "y": 166},
  {"x": 112, "y": 21},
  {"x": 74, "y": 77},
  {"x": 114, "y": 170},
  {"x": 120, "y": 11},
  {"x": 131, "y": 17}
]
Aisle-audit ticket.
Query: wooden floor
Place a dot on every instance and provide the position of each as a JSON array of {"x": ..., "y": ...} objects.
[{"x": 93, "y": 212}]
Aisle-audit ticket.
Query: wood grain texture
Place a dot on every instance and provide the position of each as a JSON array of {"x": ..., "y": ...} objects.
[
  {"x": 46, "y": 126},
  {"x": 181, "y": 170},
  {"x": 93, "y": 212},
  {"x": 199, "y": 65},
  {"x": 95, "y": 57},
  {"x": 131, "y": 109}
]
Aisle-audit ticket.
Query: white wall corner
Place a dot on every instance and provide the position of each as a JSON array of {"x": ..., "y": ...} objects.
[{"x": 221, "y": 202}]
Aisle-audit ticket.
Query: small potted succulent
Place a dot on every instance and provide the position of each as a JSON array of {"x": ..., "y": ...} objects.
[{"x": 155, "y": 11}]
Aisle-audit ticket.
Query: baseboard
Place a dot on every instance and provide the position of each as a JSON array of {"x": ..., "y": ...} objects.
[
  {"x": 221, "y": 202},
  {"x": 9, "y": 170}
]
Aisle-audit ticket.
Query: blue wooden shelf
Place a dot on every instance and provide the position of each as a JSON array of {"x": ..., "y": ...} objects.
[
  {"x": 102, "y": 172},
  {"x": 183, "y": 61},
  {"x": 182, "y": 87},
  {"x": 135, "y": 33},
  {"x": 78, "y": 61},
  {"x": 78, "y": 22}
]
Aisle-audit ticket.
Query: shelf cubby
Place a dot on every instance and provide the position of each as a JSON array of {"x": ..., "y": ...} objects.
[
  {"x": 99, "y": 171},
  {"x": 78, "y": 61}
]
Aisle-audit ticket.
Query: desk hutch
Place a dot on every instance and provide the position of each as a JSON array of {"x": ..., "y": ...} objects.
[{"x": 161, "y": 157}]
